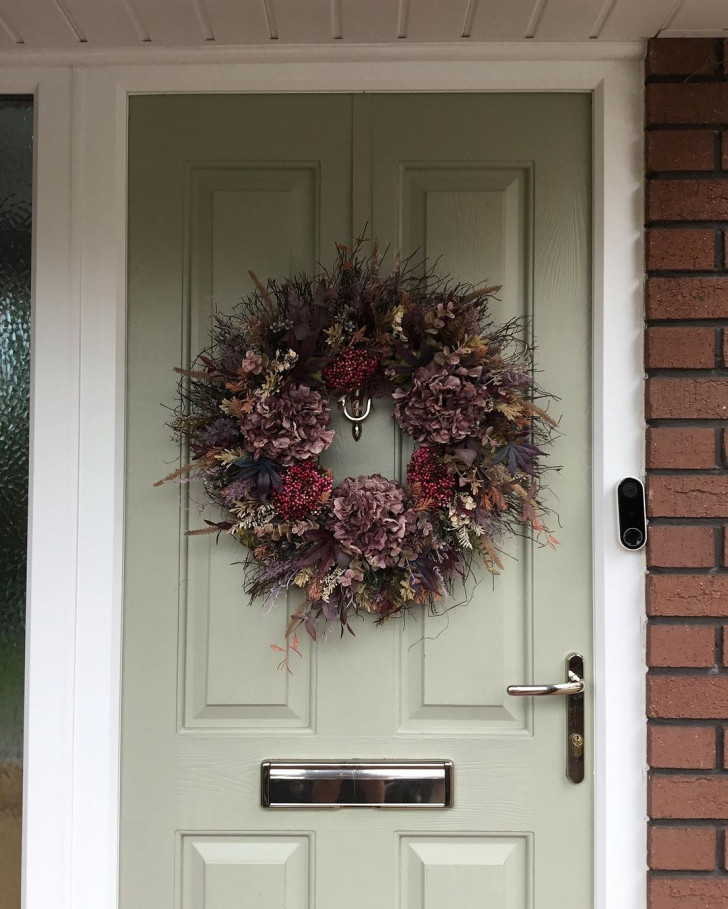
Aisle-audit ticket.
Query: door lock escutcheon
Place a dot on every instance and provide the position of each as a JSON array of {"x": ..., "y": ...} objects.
[{"x": 573, "y": 689}]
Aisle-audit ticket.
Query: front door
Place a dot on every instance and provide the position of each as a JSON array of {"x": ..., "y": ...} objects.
[{"x": 496, "y": 188}]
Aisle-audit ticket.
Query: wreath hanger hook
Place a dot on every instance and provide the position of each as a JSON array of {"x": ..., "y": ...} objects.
[{"x": 361, "y": 412}]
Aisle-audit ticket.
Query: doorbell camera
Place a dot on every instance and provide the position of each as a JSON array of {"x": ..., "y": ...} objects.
[{"x": 632, "y": 513}]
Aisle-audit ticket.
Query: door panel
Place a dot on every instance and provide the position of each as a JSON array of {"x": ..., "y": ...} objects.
[
  {"x": 268, "y": 871},
  {"x": 497, "y": 186}
]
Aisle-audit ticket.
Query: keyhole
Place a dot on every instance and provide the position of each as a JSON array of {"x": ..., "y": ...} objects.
[{"x": 577, "y": 744}]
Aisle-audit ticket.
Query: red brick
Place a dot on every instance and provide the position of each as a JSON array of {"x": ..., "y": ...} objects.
[
  {"x": 675, "y": 249},
  {"x": 682, "y": 848},
  {"x": 688, "y": 797},
  {"x": 688, "y": 399},
  {"x": 687, "y": 595},
  {"x": 688, "y": 893},
  {"x": 681, "y": 56},
  {"x": 670, "y": 149},
  {"x": 725, "y": 646},
  {"x": 688, "y": 496},
  {"x": 687, "y": 298},
  {"x": 678, "y": 448},
  {"x": 680, "y": 547},
  {"x": 725, "y": 347},
  {"x": 687, "y": 200},
  {"x": 690, "y": 646},
  {"x": 687, "y": 103},
  {"x": 687, "y": 697},
  {"x": 680, "y": 348},
  {"x": 681, "y": 747}
]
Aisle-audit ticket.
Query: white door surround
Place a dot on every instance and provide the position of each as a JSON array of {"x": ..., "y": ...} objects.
[{"x": 77, "y": 424}]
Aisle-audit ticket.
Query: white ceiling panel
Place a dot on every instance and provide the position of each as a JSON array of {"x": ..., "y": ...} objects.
[
  {"x": 369, "y": 23},
  {"x": 498, "y": 21},
  {"x": 628, "y": 19},
  {"x": 103, "y": 21},
  {"x": 197, "y": 23},
  {"x": 169, "y": 22},
  {"x": 39, "y": 23},
  {"x": 236, "y": 21},
  {"x": 432, "y": 20},
  {"x": 568, "y": 20},
  {"x": 311, "y": 22},
  {"x": 8, "y": 37},
  {"x": 701, "y": 15}
]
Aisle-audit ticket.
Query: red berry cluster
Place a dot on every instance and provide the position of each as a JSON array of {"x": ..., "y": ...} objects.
[
  {"x": 303, "y": 492},
  {"x": 353, "y": 369},
  {"x": 431, "y": 475}
]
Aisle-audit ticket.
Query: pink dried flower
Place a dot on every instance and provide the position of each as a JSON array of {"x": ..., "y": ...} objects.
[
  {"x": 287, "y": 427},
  {"x": 372, "y": 520},
  {"x": 443, "y": 405},
  {"x": 253, "y": 363}
]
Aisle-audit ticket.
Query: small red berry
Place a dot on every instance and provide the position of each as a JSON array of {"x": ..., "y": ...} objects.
[
  {"x": 305, "y": 488},
  {"x": 430, "y": 474},
  {"x": 352, "y": 370}
]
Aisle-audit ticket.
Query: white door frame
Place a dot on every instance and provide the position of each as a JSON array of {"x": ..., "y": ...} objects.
[{"x": 73, "y": 680}]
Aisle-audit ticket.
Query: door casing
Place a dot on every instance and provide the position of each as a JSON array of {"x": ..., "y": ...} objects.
[{"x": 73, "y": 682}]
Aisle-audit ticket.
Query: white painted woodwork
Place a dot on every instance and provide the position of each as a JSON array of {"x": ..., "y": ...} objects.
[
  {"x": 70, "y": 851},
  {"x": 224, "y": 23},
  {"x": 267, "y": 183}
]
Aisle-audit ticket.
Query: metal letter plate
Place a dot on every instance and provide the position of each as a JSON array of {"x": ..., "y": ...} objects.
[{"x": 356, "y": 784}]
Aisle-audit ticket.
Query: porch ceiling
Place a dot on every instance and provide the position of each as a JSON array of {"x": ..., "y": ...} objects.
[{"x": 64, "y": 24}]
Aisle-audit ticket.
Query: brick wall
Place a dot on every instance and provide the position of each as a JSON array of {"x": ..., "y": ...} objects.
[{"x": 686, "y": 357}]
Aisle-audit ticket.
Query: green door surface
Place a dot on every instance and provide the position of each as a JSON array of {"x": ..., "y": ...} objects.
[{"x": 496, "y": 187}]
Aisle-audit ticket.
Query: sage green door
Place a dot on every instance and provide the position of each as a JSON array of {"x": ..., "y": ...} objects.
[{"x": 497, "y": 188}]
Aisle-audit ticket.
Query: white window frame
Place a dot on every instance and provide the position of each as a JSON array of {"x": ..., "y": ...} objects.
[{"x": 73, "y": 684}]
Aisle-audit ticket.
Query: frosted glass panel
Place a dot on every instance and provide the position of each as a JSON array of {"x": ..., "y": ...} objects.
[{"x": 16, "y": 170}]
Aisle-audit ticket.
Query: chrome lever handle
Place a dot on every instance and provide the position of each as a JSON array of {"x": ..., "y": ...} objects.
[
  {"x": 575, "y": 685},
  {"x": 573, "y": 688}
]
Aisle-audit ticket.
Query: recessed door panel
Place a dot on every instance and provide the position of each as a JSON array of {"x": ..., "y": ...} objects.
[
  {"x": 232, "y": 207},
  {"x": 221, "y": 872},
  {"x": 467, "y": 872}
]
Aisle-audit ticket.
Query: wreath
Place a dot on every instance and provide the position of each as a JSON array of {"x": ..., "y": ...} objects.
[{"x": 254, "y": 412}]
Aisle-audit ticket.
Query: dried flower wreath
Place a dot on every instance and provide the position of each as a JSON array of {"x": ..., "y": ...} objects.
[{"x": 255, "y": 412}]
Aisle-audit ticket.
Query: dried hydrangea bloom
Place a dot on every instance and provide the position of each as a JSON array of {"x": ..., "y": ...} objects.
[
  {"x": 223, "y": 432},
  {"x": 372, "y": 520},
  {"x": 444, "y": 404},
  {"x": 252, "y": 363},
  {"x": 288, "y": 427}
]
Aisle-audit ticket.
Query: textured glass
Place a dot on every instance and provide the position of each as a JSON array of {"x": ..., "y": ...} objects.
[{"x": 16, "y": 171}]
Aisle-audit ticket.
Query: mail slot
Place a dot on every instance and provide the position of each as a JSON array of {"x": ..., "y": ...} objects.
[{"x": 356, "y": 784}]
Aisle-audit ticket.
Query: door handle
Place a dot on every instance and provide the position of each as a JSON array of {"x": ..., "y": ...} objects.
[
  {"x": 575, "y": 685},
  {"x": 573, "y": 688}
]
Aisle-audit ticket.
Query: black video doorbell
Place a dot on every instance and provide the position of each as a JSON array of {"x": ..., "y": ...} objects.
[{"x": 632, "y": 513}]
